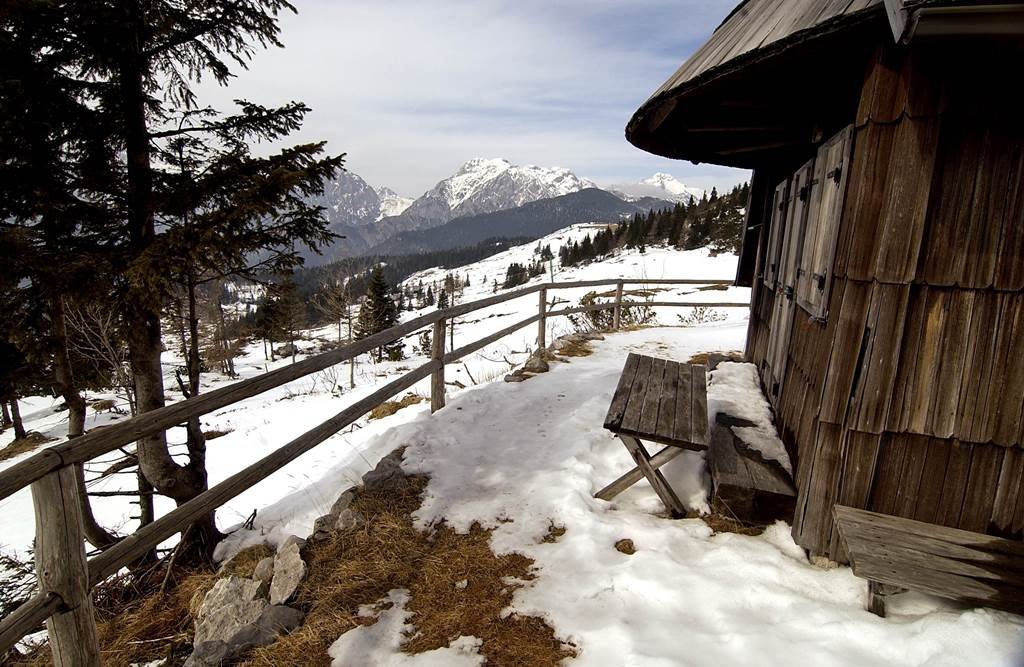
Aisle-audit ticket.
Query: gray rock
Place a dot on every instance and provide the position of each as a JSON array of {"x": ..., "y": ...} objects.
[
  {"x": 322, "y": 527},
  {"x": 272, "y": 622},
  {"x": 289, "y": 570},
  {"x": 515, "y": 378},
  {"x": 536, "y": 364},
  {"x": 285, "y": 350},
  {"x": 229, "y": 606},
  {"x": 264, "y": 570},
  {"x": 343, "y": 501},
  {"x": 349, "y": 519},
  {"x": 387, "y": 473},
  {"x": 592, "y": 336}
]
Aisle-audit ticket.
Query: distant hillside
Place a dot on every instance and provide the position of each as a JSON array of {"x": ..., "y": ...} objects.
[{"x": 531, "y": 220}]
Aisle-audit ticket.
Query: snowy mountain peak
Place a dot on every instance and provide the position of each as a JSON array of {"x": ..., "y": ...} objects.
[
  {"x": 660, "y": 186},
  {"x": 485, "y": 185}
]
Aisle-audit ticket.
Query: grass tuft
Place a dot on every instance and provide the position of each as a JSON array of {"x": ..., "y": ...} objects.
[
  {"x": 388, "y": 408},
  {"x": 20, "y": 446}
]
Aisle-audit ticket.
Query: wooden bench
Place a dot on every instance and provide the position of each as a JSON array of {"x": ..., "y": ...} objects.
[
  {"x": 751, "y": 488},
  {"x": 659, "y": 401},
  {"x": 893, "y": 553}
]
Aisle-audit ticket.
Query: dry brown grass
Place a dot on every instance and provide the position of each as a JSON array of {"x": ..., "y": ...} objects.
[
  {"x": 573, "y": 348},
  {"x": 388, "y": 408},
  {"x": 213, "y": 434},
  {"x": 722, "y": 520},
  {"x": 626, "y": 547},
  {"x": 360, "y": 566},
  {"x": 20, "y": 446},
  {"x": 704, "y": 357},
  {"x": 245, "y": 561}
]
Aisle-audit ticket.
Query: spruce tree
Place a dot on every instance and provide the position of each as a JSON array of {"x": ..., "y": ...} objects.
[{"x": 378, "y": 313}]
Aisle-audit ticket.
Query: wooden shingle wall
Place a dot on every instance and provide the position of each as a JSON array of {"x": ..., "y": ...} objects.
[{"x": 909, "y": 399}]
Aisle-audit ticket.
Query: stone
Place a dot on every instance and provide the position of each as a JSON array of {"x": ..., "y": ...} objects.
[
  {"x": 322, "y": 527},
  {"x": 272, "y": 622},
  {"x": 289, "y": 570},
  {"x": 593, "y": 335},
  {"x": 343, "y": 501},
  {"x": 285, "y": 350},
  {"x": 264, "y": 570},
  {"x": 386, "y": 474},
  {"x": 536, "y": 364},
  {"x": 230, "y": 605},
  {"x": 348, "y": 520},
  {"x": 515, "y": 378}
]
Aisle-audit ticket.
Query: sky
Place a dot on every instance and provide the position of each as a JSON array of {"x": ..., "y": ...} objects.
[{"x": 410, "y": 90}]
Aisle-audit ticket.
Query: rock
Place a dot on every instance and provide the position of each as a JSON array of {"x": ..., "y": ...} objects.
[
  {"x": 229, "y": 606},
  {"x": 536, "y": 364},
  {"x": 592, "y": 336},
  {"x": 322, "y": 527},
  {"x": 343, "y": 501},
  {"x": 387, "y": 473},
  {"x": 349, "y": 519},
  {"x": 264, "y": 570},
  {"x": 264, "y": 630},
  {"x": 289, "y": 570},
  {"x": 286, "y": 350},
  {"x": 514, "y": 378}
]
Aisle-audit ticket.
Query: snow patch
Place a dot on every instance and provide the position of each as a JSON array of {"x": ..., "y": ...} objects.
[
  {"x": 379, "y": 644},
  {"x": 734, "y": 390}
]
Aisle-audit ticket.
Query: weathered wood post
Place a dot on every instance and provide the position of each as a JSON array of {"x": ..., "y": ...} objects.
[
  {"x": 542, "y": 325},
  {"x": 62, "y": 569},
  {"x": 617, "y": 316},
  {"x": 437, "y": 377}
]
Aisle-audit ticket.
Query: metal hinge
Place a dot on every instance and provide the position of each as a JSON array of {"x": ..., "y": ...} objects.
[
  {"x": 835, "y": 174},
  {"x": 819, "y": 280}
]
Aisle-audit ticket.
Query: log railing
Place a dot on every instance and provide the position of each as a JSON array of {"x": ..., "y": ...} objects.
[{"x": 66, "y": 578}]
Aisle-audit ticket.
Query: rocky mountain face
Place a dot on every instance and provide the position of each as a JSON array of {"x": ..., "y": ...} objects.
[
  {"x": 531, "y": 220},
  {"x": 484, "y": 186},
  {"x": 659, "y": 186},
  {"x": 375, "y": 219}
]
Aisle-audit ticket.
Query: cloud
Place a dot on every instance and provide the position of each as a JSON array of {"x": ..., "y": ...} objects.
[{"x": 410, "y": 90}]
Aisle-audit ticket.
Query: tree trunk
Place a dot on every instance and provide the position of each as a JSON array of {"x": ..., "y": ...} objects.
[
  {"x": 142, "y": 308},
  {"x": 64, "y": 378},
  {"x": 5, "y": 417},
  {"x": 19, "y": 427}
]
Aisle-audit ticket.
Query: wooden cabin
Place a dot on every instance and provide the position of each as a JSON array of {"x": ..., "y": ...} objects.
[{"x": 884, "y": 246}]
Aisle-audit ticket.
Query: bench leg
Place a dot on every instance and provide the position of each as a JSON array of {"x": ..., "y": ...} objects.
[
  {"x": 635, "y": 475},
  {"x": 653, "y": 475},
  {"x": 878, "y": 594}
]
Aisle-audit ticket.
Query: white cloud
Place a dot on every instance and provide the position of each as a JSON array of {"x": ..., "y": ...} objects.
[{"x": 410, "y": 90}]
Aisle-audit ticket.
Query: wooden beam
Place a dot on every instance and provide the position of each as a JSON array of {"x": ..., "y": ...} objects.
[
  {"x": 27, "y": 618},
  {"x": 542, "y": 325},
  {"x": 635, "y": 475},
  {"x": 150, "y": 535},
  {"x": 61, "y": 569},
  {"x": 617, "y": 315},
  {"x": 437, "y": 377}
]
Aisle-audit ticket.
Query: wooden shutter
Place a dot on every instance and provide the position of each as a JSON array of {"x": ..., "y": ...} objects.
[
  {"x": 776, "y": 233},
  {"x": 814, "y": 277},
  {"x": 791, "y": 246}
]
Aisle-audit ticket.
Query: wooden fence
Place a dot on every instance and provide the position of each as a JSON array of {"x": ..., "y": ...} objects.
[{"x": 66, "y": 577}]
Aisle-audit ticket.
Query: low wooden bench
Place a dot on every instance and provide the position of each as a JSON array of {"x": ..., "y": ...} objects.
[
  {"x": 658, "y": 401},
  {"x": 752, "y": 489},
  {"x": 893, "y": 554}
]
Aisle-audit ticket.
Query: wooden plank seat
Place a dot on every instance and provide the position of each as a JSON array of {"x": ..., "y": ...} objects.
[
  {"x": 894, "y": 554},
  {"x": 751, "y": 488},
  {"x": 659, "y": 401}
]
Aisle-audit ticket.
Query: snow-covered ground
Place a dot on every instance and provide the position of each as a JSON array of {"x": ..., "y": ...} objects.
[
  {"x": 261, "y": 424},
  {"x": 517, "y": 457}
]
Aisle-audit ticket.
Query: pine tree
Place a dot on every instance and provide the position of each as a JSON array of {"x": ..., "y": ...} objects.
[{"x": 378, "y": 313}]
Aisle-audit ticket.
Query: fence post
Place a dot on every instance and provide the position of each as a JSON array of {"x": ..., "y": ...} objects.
[
  {"x": 617, "y": 318},
  {"x": 542, "y": 326},
  {"x": 62, "y": 569},
  {"x": 437, "y": 377}
]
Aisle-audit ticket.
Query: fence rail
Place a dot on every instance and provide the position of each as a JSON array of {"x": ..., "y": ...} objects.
[{"x": 66, "y": 577}]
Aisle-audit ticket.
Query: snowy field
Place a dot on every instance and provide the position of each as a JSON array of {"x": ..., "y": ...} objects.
[
  {"x": 517, "y": 457},
  {"x": 260, "y": 425}
]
